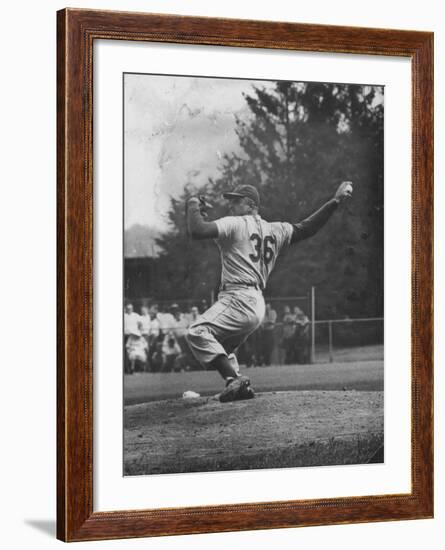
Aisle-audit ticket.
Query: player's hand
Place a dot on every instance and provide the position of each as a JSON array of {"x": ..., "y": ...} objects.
[
  {"x": 344, "y": 191},
  {"x": 204, "y": 206},
  {"x": 193, "y": 201},
  {"x": 201, "y": 202}
]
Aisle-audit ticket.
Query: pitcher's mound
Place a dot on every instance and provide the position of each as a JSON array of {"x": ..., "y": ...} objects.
[{"x": 274, "y": 430}]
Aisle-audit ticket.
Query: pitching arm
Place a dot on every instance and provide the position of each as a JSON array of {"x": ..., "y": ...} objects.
[
  {"x": 197, "y": 226},
  {"x": 311, "y": 225}
]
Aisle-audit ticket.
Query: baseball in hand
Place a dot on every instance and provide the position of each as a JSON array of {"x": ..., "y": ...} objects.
[{"x": 344, "y": 191}]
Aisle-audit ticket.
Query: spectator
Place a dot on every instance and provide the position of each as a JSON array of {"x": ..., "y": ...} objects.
[
  {"x": 194, "y": 314},
  {"x": 131, "y": 324},
  {"x": 136, "y": 347},
  {"x": 180, "y": 326},
  {"x": 167, "y": 320},
  {"x": 288, "y": 339},
  {"x": 131, "y": 320},
  {"x": 156, "y": 335},
  {"x": 145, "y": 323},
  {"x": 179, "y": 322},
  {"x": 155, "y": 323},
  {"x": 157, "y": 359},
  {"x": 268, "y": 334},
  {"x": 189, "y": 361},
  {"x": 301, "y": 336},
  {"x": 171, "y": 352}
]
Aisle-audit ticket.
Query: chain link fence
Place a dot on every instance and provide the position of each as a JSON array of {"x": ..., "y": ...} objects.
[
  {"x": 336, "y": 340},
  {"x": 348, "y": 340}
]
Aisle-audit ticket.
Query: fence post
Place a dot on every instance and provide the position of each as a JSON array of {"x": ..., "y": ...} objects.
[
  {"x": 313, "y": 324},
  {"x": 331, "y": 348}
]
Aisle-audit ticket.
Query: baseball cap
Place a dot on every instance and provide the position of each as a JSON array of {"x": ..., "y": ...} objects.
[{"x": 244, "y": 191}]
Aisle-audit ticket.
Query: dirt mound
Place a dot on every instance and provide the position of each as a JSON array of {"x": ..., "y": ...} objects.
[{"x": 274, "y": 430}]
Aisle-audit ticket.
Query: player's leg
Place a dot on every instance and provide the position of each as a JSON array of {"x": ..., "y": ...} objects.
[
  {"x": 213, "y": 347},
  {"x": 227, "y": 366},
  {"x": 204, "y": 337},
  {"x": 210, "y": 353},
  {"x": 219, "y": 331},
  {"x": 234, "y": 362},
  {"x": 238, "y": 387},
  {"x": 224, "y": 366},
  {"x": 203, "y": 344}
]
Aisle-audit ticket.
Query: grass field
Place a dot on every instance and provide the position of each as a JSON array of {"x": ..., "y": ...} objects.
[
  {"x": 354, "y": 354},
  {"x": 359, "y": 376}
]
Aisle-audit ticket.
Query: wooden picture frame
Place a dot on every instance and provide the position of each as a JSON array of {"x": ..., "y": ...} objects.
[{"x": 76, "y": 32}]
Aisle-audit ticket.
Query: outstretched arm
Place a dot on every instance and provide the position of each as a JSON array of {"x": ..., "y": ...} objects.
[
  {"x": 317, "y": 220},
  {"x": 197, "y": 226}
]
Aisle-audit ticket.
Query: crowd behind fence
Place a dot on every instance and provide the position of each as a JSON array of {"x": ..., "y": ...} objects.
[{"x": 154, "y": 336}]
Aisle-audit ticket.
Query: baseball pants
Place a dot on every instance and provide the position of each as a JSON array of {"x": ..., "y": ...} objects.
[{"x": 226, "y": 324}]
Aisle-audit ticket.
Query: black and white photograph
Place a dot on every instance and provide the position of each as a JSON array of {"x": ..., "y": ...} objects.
[{"x": 253, "y": 274}]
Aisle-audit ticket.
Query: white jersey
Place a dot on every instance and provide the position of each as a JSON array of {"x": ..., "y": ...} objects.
[
  {"x": 131, "y": 323},
  {"x": 249, "y": 247}
]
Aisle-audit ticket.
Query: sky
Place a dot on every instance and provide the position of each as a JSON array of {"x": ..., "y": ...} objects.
[{"x": 176, "y": 130}]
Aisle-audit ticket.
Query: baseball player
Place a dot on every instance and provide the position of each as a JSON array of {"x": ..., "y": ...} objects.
[{"x": 249, "y": 247}]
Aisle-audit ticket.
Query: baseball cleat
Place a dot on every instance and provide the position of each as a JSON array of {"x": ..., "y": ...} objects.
[{"x": 237, "y": 389}]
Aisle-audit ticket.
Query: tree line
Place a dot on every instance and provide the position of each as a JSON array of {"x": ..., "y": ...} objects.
[{"x": 297, "y": 143}]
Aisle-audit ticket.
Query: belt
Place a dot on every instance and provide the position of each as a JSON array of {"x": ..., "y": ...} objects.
[{"x": 225, "y": 286}]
